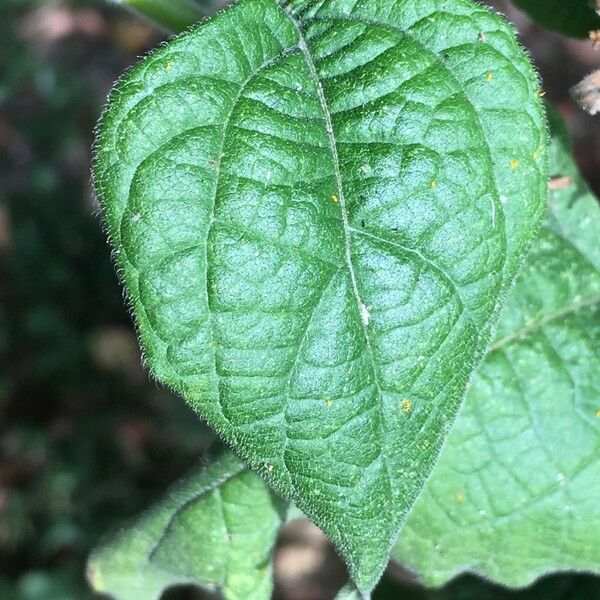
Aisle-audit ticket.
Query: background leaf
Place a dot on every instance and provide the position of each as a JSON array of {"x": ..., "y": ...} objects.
[
  {"x": 574, "y": 18},
  {"x": 516, "y": 492},
  {"x": 349, "y": 592},
  {"x": 317, "y": 210},
  {"x": 216, "y": 529},
  {"x": 467, "y": 587}
]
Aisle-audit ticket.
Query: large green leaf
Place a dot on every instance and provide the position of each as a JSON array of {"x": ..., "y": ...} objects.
[
  {"x": 516, "y": 492},
  {"x": 216, "y": 529},
  {"x": 573, "y": 17},
  {"x": 317, "y": 208}
]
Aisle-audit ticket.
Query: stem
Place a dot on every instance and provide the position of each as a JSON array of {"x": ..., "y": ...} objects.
[{"x": 174, "y": 15}]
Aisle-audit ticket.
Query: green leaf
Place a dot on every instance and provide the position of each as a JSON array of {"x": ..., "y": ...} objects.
[
  {"x": 516, "y": 492},
  {"x": 574, "y": 18},
  {"x": 216, "y": 529},
  {"x": 317, "y": 209}
]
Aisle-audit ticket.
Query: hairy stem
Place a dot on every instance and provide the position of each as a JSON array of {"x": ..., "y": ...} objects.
[{"x": 174, "y": 15}]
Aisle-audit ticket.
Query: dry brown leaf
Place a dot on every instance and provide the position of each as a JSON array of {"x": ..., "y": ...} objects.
[{"x": 587, "y": 93}]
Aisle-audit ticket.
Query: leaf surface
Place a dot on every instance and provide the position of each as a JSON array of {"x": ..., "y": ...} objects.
[
  {"x": 317, "y": 208},
  {"x": 574, "y": 18},
  {"x": 216, "y": 529},
  {"x": 516, "y": 492}
]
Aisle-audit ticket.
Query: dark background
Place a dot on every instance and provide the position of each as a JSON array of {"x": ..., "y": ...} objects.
[{"x": 86, "y": 440}]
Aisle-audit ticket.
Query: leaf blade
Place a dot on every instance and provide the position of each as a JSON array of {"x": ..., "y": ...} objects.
[
  {"x": 316, "y": 323},
  {"x": 216, "y": 529}
]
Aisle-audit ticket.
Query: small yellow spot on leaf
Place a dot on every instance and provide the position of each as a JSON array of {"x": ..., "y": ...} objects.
[
  {"x": 335, "y": 198},
  {"x": 514, "y": 164},
  {"x": 433, "y": 184},
  {"x": 329, "y": 402},
  {"x": 407, "y": 405},
  {"x": 459, "y": 497},
  {"x": 169, "y": 66},
  {"x": 542, "y": 93},
  {"x": 489, "y": 76},
  {"x": 598, "y": 413}
]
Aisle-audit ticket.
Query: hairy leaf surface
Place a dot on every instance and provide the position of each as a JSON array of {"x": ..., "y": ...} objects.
[
  {"x": 317, "y": 208},
  {"x": 217, "y": 530},
  {"x": 516, "y": 492},
  {"x": 575, "y": 18}
]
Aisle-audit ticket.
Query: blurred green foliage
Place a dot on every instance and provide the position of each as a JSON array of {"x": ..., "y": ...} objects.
[
  {"x": 575, "y": 18},
  {"x": 85, "y": 439}
]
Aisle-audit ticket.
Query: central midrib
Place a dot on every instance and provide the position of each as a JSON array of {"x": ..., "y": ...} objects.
[
  {"x": 362, "y": 308},
  {"x": 347, "y": 229}
]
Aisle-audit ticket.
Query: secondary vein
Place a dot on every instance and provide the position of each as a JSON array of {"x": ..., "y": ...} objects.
[{"x": 549, "y": 318}]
